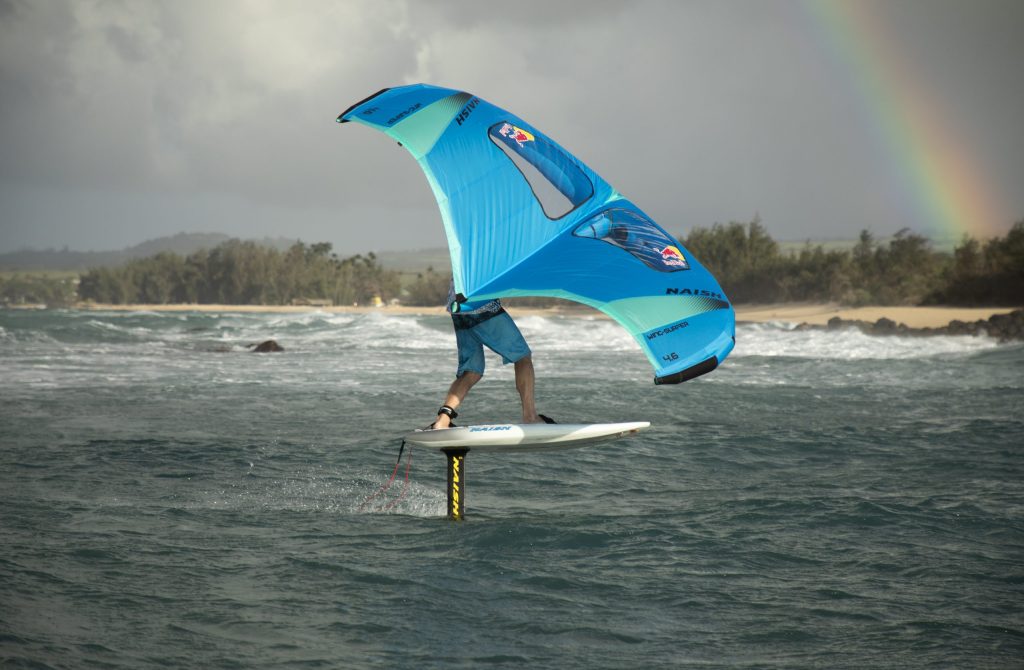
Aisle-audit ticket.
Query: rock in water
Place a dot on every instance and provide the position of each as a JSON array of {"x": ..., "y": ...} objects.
[{"x": 269, "y": 346}]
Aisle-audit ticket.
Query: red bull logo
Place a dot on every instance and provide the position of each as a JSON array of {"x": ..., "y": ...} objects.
[
  {"x": 671, "y": 256},
  {"x": 515, "y": 133}
]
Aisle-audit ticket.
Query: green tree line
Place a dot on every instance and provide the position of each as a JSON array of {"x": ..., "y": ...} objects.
[
  {"x": 905, "y": 270},
  {"x": 753, "y": 268},
  {"x": 22, "y": 289},
  {"x": 750, "y": 265},
  {"x": 243, "y": 273}
]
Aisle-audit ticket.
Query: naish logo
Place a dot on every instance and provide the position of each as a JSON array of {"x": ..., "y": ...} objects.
[
  {"x": 699, "y": 292},
  {"x": 455, "y": 493},
  {"x": 467, "y": 110},
  {"x": 488, "y": 429},
  {"x": 515, "y": 133},
  {"x": 665, "y": 331}
]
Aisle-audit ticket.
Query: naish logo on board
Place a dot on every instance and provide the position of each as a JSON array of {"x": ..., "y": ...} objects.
[
  {"x": 488, "y": 429},
  {"x": 467, "y": 110},
  {"x": 515, "y": 133},
  {"x": 699, "y": 292}
]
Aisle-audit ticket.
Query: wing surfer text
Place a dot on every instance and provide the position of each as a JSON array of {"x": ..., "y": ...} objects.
[{"x": 665, "y": 331}]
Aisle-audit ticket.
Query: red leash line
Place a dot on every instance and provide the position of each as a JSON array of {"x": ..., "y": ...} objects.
[
  {"x": 388, "y": 484},
  {"x": 405, "y": 486}
]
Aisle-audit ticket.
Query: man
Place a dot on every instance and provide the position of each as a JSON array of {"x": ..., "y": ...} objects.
[{"x": 479, "y": 324}]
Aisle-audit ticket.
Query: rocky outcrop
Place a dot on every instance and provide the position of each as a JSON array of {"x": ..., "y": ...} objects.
[
  {"x": 267, "y": 347},
  {"x": 1004, "y": 327}
]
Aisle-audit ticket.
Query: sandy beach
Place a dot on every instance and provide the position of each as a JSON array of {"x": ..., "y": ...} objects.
[
  {"x": 819, "y": 315},
  {"x": 815, "y": 314}
]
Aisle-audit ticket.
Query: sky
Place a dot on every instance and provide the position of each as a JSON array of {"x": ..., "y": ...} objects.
[{"x": 126, "y": 120}]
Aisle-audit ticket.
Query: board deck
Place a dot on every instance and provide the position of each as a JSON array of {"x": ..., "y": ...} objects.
[{"x": 523, "y": 436}]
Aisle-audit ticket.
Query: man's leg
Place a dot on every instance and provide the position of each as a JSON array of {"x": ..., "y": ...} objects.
[
  {"x": 456, "y": 393},
  {"x": 524, "y": 384}
]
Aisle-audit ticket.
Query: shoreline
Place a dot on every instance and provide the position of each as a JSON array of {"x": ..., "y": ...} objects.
[
  {"x": 813, "y": 314},
  {"x": 912, "y": 317}
]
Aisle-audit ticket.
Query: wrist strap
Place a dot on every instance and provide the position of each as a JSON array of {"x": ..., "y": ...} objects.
[{"x": 445, "y": 409}]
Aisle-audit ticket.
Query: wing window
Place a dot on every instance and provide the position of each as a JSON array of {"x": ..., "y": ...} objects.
[
  {"x": 557, "y": 181},
  {"x": 637, "y": 235}
]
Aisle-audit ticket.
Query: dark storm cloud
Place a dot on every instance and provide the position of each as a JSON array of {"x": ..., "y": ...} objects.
[{"x": 123, "y": 121}]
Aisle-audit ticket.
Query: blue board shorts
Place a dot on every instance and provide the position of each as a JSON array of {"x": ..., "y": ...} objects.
[{"x": 499, "y": 334}]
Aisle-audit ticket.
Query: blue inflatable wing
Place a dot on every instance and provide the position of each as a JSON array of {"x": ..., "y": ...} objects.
[{"x": 524, "y": 217}]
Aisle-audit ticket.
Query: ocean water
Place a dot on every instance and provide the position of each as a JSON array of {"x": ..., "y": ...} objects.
[{"x": 822, "y": 500}]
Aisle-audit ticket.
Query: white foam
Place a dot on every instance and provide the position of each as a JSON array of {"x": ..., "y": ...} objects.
[
  {"x": 850, "y": 344},
  {"x": 330, "y": 344},
  {"x": 575, "y": 334}
]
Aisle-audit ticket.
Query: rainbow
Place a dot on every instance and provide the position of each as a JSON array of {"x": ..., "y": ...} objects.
[{"x": 939, "y": 172}]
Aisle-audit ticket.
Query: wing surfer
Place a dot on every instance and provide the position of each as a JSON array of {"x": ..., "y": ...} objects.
[{"x": 479, "y": 324}]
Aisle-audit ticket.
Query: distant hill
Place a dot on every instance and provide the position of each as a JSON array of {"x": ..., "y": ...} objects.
[
  {"x": 415, "y": 262},
  {"x": 79, "y": 261},
  {"x": 182, "y": 244}
]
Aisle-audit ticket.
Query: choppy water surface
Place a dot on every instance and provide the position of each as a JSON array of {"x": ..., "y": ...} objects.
[{"x": 822, "y": 500}]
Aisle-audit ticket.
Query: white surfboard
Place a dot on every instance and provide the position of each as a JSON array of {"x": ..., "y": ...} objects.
[{"x": 523, "y": 436}]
